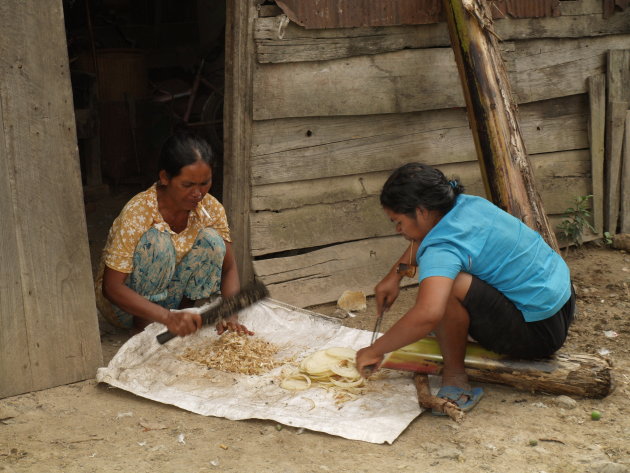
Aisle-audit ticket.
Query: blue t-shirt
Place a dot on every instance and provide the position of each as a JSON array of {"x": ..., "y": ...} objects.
[{"x": 479, "y": 238}]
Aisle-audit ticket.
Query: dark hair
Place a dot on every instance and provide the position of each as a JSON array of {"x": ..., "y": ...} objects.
[
  {"x": 416, "y": 185},
  {"x": 181, "y": 149}
]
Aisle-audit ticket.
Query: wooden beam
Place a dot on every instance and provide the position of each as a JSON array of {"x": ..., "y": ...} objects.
[
  {"x": 400, "y": 82},
  {"x": 618, "y": 100},
  {"x": 560, "y": 175},
  {"x": 624, "y": 217},
  {"x": 49, "y": 333},
  {"x": 16, "y": 370},
  {"x": 353, "y": 200},
  {"x": 321, "y": 276},
  {"x": 239, "y": 51},
  {"x": 596, "y": 133},
  {"x": 492, "y": 114},
  {"x": 278, "y": 42},
  {"x": 288, "y": 150}
]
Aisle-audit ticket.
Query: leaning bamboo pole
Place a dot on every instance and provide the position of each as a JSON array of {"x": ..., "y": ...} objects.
[{"x": 492, "y": 114}]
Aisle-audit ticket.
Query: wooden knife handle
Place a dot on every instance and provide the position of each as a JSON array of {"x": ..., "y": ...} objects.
[{"x": 165, "y": 337}]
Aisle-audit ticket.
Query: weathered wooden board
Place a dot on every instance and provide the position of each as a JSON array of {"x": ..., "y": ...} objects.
[
  {"x": 336, "y": 190},
  {"x": 16, "y": 375},
  {"x": 281, "y": 42},
  {"x": 618, "y": 100},
  {"x": 561, "y": 177},
  {"x": 239, "y": 51},
  {"x": 395, "y": 82},
  {"x": 400, "y": 82},
  {"x": 624, "y": 211},
  {"x": 597, "y": 126},
  {"x": 287, "y": 42},
  {"x": 322, "y": 275},
  {"x": 615, "y": 118},
  {"x": 350, "y": 14},
  {"x": 49, "y": 329},
  {"x": 297, "y": 149}
]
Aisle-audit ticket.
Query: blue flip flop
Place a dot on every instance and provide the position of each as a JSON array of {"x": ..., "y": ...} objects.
[{"x": 455, "y": 394}]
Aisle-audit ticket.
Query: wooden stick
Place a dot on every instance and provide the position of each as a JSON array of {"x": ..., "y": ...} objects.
[{"x": 428, "y": 401}]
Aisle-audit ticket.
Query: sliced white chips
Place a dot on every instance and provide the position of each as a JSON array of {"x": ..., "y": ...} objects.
[
  {"x": 331, "y": 368},
  {"x": 342, "y": 353}
]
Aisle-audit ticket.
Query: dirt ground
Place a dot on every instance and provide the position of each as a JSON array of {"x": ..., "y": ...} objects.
[{"x": 87, "y": 427}]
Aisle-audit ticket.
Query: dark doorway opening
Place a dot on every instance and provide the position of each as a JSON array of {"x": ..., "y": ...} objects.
[{"x": 140, "y": 70}]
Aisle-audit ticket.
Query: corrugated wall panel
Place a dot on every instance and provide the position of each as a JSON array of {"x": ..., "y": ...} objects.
[{"x": 322, "y": 14}]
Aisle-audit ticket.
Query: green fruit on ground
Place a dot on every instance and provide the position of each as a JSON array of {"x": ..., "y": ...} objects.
[{"x": 596, "y": 415}]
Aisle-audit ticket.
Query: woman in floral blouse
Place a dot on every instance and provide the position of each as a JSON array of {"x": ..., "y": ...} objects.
[{"x": 169, "y": 247}]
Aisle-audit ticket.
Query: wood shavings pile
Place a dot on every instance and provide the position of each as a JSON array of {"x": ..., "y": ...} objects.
[{"x": 235, "y": 353}]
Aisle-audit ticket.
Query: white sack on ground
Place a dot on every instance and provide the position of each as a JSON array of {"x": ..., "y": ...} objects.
[{"x": 153, "y": 371}]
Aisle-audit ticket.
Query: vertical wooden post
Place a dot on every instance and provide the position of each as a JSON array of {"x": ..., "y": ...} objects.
[
  {"x": 238, "y": 123},
  {"x": 596, "y": 139},
  {"x": 624, "y": 211},
  {"x": 618, "y": 100},
  {"x": 48, "y": 323},
  {"x": 492, "y": 114}
]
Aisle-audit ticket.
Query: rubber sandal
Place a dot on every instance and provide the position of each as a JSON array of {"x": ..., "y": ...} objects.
[{"x": 455, "y": 394}]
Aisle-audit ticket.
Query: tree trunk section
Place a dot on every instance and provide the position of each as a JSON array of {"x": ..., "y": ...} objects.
[
  {"x": 579, "y": 375},
  {"x": 492, "y": 114}
]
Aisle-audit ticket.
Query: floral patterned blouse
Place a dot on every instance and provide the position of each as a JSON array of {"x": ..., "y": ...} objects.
[{"x": 141, "y": 213}]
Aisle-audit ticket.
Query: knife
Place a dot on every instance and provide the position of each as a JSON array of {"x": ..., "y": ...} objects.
[
  {"x": 249, "y": 295},
  {"x": 369, "y": 369}
]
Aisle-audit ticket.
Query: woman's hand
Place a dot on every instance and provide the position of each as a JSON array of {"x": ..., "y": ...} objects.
[
  {"x": 232, "y": 324},
  {"x": 183, "y": 323},
  {"x": 368, "y": 361}
]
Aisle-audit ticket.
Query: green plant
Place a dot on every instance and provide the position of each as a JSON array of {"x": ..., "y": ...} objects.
[
  {"x": 576, "y": 220},
  {"x": 608, "y": 238}
]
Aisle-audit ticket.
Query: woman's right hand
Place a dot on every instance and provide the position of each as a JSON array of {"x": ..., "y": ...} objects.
[
  {"x": 386, "y": 292},
  {"x": 182, "y": 323}
]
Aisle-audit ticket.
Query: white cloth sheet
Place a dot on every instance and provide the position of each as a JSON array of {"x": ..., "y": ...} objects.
[{"x": 148, "y": 369}]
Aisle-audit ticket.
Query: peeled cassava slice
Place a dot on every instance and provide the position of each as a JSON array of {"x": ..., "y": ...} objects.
[
  {"x": 296, "y": 382},
  {"x": 341, "y": 353},
  {"x": 331, "y": 368},
  {"x": 345, "y": 369}
]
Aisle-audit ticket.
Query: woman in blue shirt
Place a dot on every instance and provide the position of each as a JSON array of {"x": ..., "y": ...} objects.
[{"x": 482, "y": 272}]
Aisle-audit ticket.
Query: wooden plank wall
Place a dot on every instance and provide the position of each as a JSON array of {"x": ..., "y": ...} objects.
[
  {"x": 48, "y": 325},
  {"x": 336, "y": 110}
]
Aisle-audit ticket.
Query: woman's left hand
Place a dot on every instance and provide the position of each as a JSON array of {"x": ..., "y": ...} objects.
[
  {"x": 232, "y": 324},
  {"x": 368, "y": 361}
]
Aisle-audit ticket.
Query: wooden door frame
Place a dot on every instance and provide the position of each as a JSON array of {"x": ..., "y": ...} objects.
[{"x": 238, "y": 123}]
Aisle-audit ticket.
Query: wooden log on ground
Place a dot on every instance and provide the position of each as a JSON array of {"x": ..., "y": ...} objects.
[
  {"x": 428, "y": 401},
  {"x": 581, "y": 375},
  {"x": 492, "y": 114}
]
